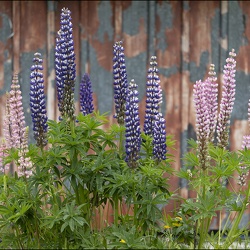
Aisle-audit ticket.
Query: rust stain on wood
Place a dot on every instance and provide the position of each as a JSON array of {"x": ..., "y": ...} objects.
[
  {"x": 35, "y": 27},
  {"x": 136, "y": 44}
]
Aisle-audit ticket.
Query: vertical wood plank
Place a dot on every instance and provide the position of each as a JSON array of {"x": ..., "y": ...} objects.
[
  {"x": 33, "y": 38},
  {"x": 51, "y": 84},
  {"x": 185, "y": 89},
  {"x": 6, "y": 52},
  {"x": 168, "y": 51},
  {"x": 16, "y": 36}
]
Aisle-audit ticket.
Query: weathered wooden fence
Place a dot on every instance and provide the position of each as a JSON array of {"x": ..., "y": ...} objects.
[{"x": 186, "y": 36}]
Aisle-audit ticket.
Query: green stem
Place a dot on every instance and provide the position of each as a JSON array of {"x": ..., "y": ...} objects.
[
  {"x": 204, "y": 222},
  {"x": 135, "y": 205},
  {"x": 232, "y": 233},
  {"x": 219, "y": 228},
  {"x": 121, "y": 143},
  {"x": 116, "y": 212},
  {"x": 17, "y": 234}
]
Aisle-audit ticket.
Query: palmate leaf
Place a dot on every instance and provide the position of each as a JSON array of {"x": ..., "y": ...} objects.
[
  {"x": 192, "y": 143},
  {"x": 4, "y": 210},
  {"x": 191, "y": 159},
  {"x": 20, "y": 213}
]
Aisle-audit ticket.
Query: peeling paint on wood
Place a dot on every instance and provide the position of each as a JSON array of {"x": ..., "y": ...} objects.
[{"x": 186, "y": 37}]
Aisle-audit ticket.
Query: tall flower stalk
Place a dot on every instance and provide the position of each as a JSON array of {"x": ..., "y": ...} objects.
[
  {"x": 15, "y": 131},
  {"x": 120, "y": 82},
  {"x": 65, "y": 66},
  {"x": 159, "y": 138},
  {"x": 17, "y": 119},
  {"x": 245, "y": 145},
  {"x": 211, "y": 95},
  {"x": 7, "y": 128},
  {"x": 202, "y": 122},
  {"x": 227, "y": 101},
  {"x": 37, "y": 102},
  {"x": 3, "y": 153},
  {"x": 132, "y": 124},
  {"x": 153, "y": 97},
  {"x": 86, "y": 98},
  {"x": 24, "y": 162}
]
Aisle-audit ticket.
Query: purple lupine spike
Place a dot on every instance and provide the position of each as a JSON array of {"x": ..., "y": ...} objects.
[
  {"x": 65, "y": 66},
  {"x": 58, "y": 71},
  {"x": 153, "y": 96},
  {"x": 211, "y": 94},
  {"x": 159, "y": 138},
  {"x": 227, "y": 100},
  {"x": 202, "y": 122},
  {"x": 86, "y": 98},
  {"x": 132, "y": 124},
  {"x": 17, "y": 122},
  {"x": 120, "y": 82},
  {"x": 37, "y": 102}
]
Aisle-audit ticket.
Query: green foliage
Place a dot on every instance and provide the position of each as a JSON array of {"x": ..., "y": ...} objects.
[
  {"x": 78, "y": 173},
  {"x": 212, "y": 194}
]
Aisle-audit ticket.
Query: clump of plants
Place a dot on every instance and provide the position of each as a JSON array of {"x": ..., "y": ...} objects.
[{"x": 83, "y": 186}]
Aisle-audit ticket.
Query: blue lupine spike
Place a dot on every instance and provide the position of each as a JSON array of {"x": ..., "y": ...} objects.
[
  {"x": 65, "y": 66},
  {"x": 132, "y": 124},
  {"x": 86, "y": 98},
  {"x": 153, "y": 97},
  {"x": 37, "y": 102},
  {"x": 120, "y": 82},
  {"x": 159, "y": 138}
]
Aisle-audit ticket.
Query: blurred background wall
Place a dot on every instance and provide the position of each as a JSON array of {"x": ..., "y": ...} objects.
[{"x": 186, "y": 37}]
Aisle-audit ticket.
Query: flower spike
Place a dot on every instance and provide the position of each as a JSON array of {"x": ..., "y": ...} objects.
[
  {"x": 153, "y": 97},
  {"x": 86, "y": 98},
  {"x": 227, "y": 101},
  {"x": 120, "y": 82},
  {"x": 159, "y": 138},
  {"x": 37, "y": 102},
  {"x": 132, "y": 124},
  {"x": 65, "y": 66}
]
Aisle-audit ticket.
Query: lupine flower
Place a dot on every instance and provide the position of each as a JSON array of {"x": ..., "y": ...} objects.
[
  {"x": 227, "y": 101},
  {"x": 24, "y": 162},
  {"x": 120, "y": 82},
  {"x": 65, "y": 66},
  {"x": 245, "y": 145},
  {"x": 17, "y": 119},
  {"x": 202, "y": 122},
  {"x": 211, "y": 94},
  {"x": 86, "y": 98},
  {"x": 7, "y": 128},
  {"x": 37, "y": 102},
  {"x": 3, "y": 154},
  {"x": 159, "y": 138},
  {"x": 132, "y": 124},
  {"x": 153, "y": 97}
]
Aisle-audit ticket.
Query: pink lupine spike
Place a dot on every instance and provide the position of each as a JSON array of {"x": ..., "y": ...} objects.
[
  {"x": 3, "y": 154},
  {"x": 17, "y": 119},
  {"x": 24, "y": 162},
  {"x": 211, "y": 94},
  {"x": 245, "y": 145},
  {"x": 202, "y": 121},
  {"x": 7, "y": 129},
  {"x": 227, "y": 101}
]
